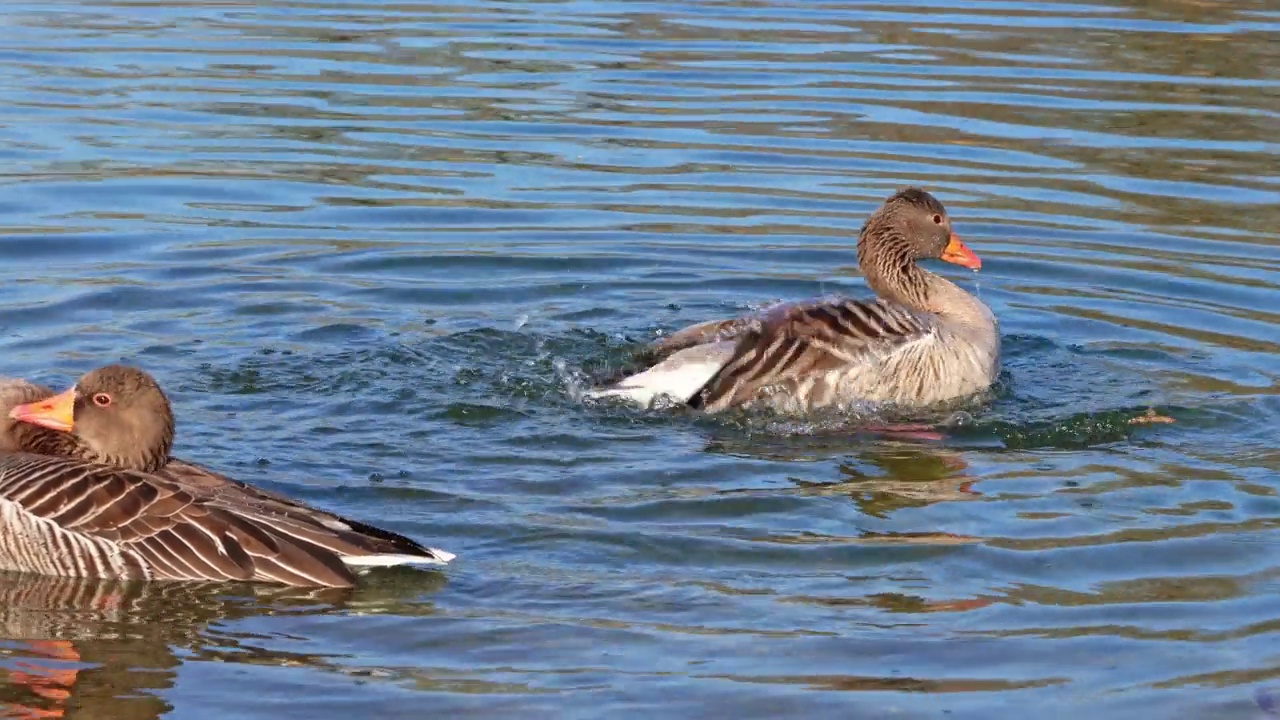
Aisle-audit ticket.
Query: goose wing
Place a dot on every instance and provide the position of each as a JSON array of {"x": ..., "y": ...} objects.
[
  {"x": 354, "y": 542},
  {"x": 784, "y": 347},
  {"x": 86, "y": 519},
  {"x": 98, "y": 520}
]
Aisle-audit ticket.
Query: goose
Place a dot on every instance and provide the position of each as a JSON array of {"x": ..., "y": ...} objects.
[
  {"x": 923, "y": 340},
  {"x": 88, "y": 489}
]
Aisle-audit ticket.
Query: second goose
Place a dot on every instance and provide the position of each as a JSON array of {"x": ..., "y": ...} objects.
[
  {"x": 88, "y": 489},
  {"x": 921, "y": 341}
]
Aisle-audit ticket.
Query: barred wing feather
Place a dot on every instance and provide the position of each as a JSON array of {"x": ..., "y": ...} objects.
[
  {"x": 810, "y": 343},
  {"x": 76, "y": 518}
]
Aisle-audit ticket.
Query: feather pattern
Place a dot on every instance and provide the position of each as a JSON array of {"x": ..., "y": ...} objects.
[
  {"x": 61, "y": 516},
  {"x": 802, "y": 355}
]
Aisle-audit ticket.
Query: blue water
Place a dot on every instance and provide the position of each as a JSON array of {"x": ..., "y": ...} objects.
[{"x": 374, "y": 251}]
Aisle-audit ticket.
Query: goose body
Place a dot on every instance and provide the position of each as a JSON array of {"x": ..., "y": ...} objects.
[
  {"x": 77, "y": 500},
  {"x": 922, "y": 341}
]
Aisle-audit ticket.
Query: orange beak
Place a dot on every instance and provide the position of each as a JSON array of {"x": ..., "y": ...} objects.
[
  {"x": 960, "y": 254},
  {"x": 55, "y": 413}
]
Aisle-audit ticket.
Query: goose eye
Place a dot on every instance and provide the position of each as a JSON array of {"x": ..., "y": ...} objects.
[
  {"x": 937, "y": 219},
  {"x": 102, "y": 399}
]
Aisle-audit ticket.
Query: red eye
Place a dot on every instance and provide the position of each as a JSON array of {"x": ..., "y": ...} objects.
[
  {"x": 102, "y": 399},
  {"x": 937, "y": 219}
]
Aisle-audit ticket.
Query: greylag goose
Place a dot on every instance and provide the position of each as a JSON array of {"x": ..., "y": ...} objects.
[
  {"x": 922, "y": 341},
  {"x": 87, "y": 489}
]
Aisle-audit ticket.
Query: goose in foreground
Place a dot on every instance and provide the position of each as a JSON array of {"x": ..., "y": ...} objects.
[
  {"x": 921, "y": 341},
  {"x": 88, "y": 489}
]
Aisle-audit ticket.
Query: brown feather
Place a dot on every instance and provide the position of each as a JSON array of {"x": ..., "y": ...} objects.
[{"x": 808, "y": 340}]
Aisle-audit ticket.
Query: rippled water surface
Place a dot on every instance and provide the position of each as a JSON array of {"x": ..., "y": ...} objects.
[{"x": 374, "y": 250}]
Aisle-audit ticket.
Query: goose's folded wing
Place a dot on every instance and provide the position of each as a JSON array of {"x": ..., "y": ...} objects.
[
  {"x": 153, "y": 519},
  {"x": 355, "y": 543},
  {"x": 800, "y": 341}
]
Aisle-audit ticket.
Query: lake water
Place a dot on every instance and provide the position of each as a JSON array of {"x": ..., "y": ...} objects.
[{"x": 373, "y": 250}]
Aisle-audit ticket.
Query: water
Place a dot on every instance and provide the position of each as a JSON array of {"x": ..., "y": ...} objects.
[{"x": 373, "y": 249}]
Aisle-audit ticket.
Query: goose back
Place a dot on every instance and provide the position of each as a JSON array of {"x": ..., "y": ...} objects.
[{"x": 82, "y": 519}]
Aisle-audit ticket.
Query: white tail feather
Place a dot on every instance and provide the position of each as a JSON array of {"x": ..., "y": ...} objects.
[
  {"x": 678, "y": 377},
  {"x": 442, "y": 557}
]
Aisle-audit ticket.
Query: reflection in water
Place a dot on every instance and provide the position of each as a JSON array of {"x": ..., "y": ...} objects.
[
  {"x": 105, "y": 641},
  {"x": 111, "y": 647},
  {"x": 879, "y": 477},
  {"x": 905, "y": 476}
]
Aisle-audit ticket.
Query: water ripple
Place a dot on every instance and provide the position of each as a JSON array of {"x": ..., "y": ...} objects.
[{"x": 374, "y": 249}]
